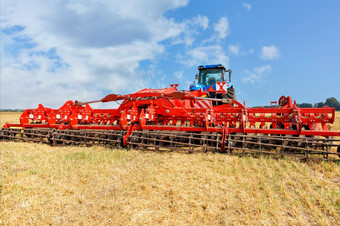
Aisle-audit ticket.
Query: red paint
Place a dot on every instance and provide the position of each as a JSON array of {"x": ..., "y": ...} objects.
[{"x": 173, "y": 110}]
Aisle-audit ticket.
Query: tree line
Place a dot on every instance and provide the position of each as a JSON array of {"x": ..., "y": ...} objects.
[{"x": 330, "y": 102}]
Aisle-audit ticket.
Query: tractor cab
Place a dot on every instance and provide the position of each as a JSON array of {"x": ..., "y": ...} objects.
[{"x": 211, "y": 79}]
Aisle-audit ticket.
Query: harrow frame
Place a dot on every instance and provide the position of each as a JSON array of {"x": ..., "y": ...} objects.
[{"x": 187, "y": 120}]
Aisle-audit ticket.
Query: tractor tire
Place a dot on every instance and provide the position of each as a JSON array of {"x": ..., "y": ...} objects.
[{"x": 230, "y": 94}]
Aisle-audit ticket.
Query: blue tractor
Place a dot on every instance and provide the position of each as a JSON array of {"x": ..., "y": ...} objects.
[{"x": 211, "y": 79}]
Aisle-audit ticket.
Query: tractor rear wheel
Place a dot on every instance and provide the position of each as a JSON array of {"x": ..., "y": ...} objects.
[{"x": 230, "y": 94}]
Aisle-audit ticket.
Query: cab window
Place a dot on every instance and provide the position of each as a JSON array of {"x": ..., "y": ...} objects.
[{"x": 209, "y": 77}]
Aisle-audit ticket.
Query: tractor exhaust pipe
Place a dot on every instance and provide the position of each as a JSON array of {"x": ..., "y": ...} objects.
[{"x": 229, "y": 71}]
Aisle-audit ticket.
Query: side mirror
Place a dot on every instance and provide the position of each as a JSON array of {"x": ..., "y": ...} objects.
[{"x": 196, "y": 77}]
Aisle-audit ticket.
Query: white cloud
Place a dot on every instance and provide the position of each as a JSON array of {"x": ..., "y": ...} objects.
[
  {"x": 263, "y": 69},
  {"x": 76, "y": 49},
  {"x": 202, "y": 21},
  {"x": 204, "y": 55},
  {"x": 247, "y": 6},
  {"x": 238, "y": 51},
  {"x": 234, "y": 49},
  {"x": 257, "y": 75},
  {"x": 270, "y": 52},
  {"x": 191, "y": 30},
  {"x": 221, "y": 31},
  {"x": 179, "y": 75},
  {"x": 222, "y": 27}
]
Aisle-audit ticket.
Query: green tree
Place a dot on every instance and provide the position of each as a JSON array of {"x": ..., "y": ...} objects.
[
  {"x": 305, "y": 105},
  {"x": 332, "y": 102},
  {"x": 319, "y": 105}
]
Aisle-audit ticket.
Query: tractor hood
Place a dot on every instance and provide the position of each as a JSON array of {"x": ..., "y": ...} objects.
[{"x": 196, "y": 86}]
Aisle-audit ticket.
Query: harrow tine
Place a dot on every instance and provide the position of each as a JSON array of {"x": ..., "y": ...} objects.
[{"x": 309, "y": 148}]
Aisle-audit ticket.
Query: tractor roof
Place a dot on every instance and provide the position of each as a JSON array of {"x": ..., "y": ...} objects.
[{"x": 210, "y": 66}]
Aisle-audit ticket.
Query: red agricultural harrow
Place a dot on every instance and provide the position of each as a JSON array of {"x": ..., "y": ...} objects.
[
  {"x": 206, "y": 118},
  {"x": 168, "y": 119}
]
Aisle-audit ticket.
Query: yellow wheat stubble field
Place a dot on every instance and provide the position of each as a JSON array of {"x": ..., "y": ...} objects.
[{"x": 40, "y": 184}]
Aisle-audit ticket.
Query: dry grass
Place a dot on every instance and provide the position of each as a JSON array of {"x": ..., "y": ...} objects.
[
  {"x": 10, "y": 117},
  {"x": 336, "y": 124},
  {"x": 40, "y": 184}
]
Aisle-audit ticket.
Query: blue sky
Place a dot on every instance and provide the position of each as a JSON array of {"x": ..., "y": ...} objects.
[{"x": 53, "y": 51}]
